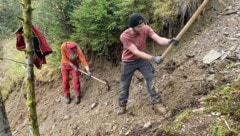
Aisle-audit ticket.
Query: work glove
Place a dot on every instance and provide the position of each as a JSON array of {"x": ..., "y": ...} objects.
[
  {"x": 89, "y": 73},
  {"x": 173, "y": 41},
  {"x": 157, "y": 59}
]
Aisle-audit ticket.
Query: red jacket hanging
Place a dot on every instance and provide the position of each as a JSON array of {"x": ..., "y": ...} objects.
[{"x": 41, "y": 47}]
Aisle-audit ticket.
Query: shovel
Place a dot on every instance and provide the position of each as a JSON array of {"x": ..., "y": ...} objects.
[{"x": 186, "y": 27}]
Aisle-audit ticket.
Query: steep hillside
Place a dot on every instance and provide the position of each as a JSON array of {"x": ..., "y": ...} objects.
[{"x": 182, "y": 79}]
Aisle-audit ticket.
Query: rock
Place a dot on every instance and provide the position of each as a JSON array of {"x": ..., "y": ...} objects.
[
  {"x": 46, "y": 102},
  {"x": 127, "y": 133},
  {"x": 211, "y": 77},
  {"x": 229, "y": 7},
  {"x": 66, "y": 117},
  {"x": 93, "y": 105},
  {"x": 181, "y": 68},
  {"x": 53, "y": 127},
  {"x": 224, "y": 55},
  {"x": 211, "y": 71},
  {"x": 159, "y": 108},
  {"x": 106, "y": 103},
  {"x": 147, "y": 125},
  {"x": 199, "y": 110},
  {"x": 215, "y": 114},
  {"x": 211, "y": 56},
  {"x": 58, "y": 100},
  {"x": 226, "y": 33},
  {"x": 190, "y": 55},
  {"x": 237, "y": 35}
]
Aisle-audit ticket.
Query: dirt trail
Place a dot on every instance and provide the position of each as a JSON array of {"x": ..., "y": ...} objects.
[{"x": 182, "y": 81}]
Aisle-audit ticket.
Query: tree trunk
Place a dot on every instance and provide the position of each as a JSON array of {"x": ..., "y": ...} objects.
[
  {"x": 4, "y": 125},
  {"x": 30, "y": 86}
]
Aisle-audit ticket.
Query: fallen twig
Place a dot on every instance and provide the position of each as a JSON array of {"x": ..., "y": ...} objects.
[
  {"x": 227, "y": 125},
  {"x": 228, "y": 13},
  {"x": 224, "y": 4}
]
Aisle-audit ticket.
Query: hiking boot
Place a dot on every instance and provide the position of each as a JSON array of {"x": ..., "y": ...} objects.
[
  {"x": 121, "y": 110},
  {"x": 159, "y": 108},
  {"x": 67, "y": 99},
  {"x": 78, "y": 99}
]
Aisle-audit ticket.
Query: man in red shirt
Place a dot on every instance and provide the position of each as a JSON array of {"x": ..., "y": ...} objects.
[
  {"x": 134, "y": 58},
  {"x": 72, "y": 56}
]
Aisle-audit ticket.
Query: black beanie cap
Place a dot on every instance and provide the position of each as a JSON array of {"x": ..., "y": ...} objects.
[{"x": 135, "y": 20}]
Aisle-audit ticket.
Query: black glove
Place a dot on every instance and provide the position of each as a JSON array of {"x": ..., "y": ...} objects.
[
  {"x": 173, "y": 41},
  {"x": 157, "y": 59},
  {"x": 89, "y": 73}
]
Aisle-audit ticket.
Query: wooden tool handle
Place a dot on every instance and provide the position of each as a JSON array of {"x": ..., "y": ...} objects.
[
  {"x": 92, "y": 77},
  {"x": 186, "y": 27}
]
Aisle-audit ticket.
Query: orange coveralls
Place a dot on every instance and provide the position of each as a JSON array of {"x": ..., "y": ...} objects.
[{"x": 75, "y": 58}]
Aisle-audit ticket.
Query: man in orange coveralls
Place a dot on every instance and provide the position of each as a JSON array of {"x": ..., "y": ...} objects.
[{"x": 72, "y": 55}]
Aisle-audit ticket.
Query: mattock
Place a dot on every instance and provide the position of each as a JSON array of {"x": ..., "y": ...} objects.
[
  {"x": 99, "y": 80},
  {"x": 187, "y": 26}
]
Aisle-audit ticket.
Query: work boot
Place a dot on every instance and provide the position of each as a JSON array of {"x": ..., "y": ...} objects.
[
  {"x": 78, "y": 99},
  {"x": 159, "y": 108},
  {"x": 121, "y": 110},
  {"x": 67, "y": 99}
]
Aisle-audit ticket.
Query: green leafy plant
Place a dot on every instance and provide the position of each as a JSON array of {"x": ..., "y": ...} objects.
[{"x": 96, "y": 25}]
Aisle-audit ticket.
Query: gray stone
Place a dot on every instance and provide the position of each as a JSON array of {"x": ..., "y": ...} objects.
[{"x": 211, "y": 56}]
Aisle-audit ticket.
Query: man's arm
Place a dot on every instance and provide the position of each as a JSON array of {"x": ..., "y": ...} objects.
[
  {"x": 160, "y": 40},
  {"x": 64, "y": 54},
  {"x": 139, "y": 53},
  {"x": 84, "y": 62},
  {"x": 143, "y": 55}
]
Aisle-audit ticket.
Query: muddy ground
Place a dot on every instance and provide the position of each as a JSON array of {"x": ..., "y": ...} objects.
[{"x": 182, "y": 79}]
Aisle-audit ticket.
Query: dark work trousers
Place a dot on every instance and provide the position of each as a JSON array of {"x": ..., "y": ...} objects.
[{"x": 127, "y": 71}]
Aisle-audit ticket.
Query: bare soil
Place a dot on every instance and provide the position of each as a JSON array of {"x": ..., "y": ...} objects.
[{"x": 182, "y": 80}]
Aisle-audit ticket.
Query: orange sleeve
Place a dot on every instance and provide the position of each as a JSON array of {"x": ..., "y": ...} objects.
[
  {"x": 65, "y": 55},
  {"x": 82, "y": 57}
]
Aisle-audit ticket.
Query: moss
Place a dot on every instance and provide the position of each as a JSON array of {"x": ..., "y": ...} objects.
[
  {"x": 225, "y": 100},
  {"x": 183, "y": 117},
  {"x": 218, "y": 130},
  {"x": 168, "y": 130},
  {"x": 221, "y": 129},
  {"x": 235, "y": 113},
  {"x": 231, "y": 66},
  {"x": 236, "y": 85}
]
